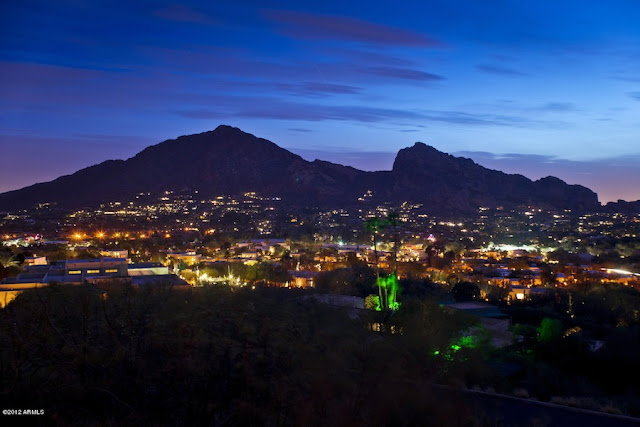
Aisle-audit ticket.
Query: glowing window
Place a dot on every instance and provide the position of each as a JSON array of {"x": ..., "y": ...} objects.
[
  {"x": 75, "y": 271},
  {"x": 93, "y": 271},
  {"x": 520, "y": 296},
  {"x": 111, "y": 270}
]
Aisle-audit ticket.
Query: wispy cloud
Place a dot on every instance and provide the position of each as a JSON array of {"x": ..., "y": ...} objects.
[
  {"x": 367, "y": 56},
  {"x": 476, "y": 119},
  {"x": 635, "y": 95},
  {"x": 317, "y": 88},
  {"x": 557, "y": 107},
  {"x": 282, "y": 110},
  {"x": 274, "y": 108},
  {"x": 499, "y": 69},
  {"x": 316, "y": 26},
  {"x": 306, "y": 89},
  {"x": 463, "y": 118},
  {"x": 402, "y": 73}
]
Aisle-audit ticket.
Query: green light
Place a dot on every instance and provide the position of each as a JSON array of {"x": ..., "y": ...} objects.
[
  {"x": 390, "y": 285},
  {"x": 437, "y": 352},
  {"x": 467, "y": 341},
  {"x": 455, "y": 347}
]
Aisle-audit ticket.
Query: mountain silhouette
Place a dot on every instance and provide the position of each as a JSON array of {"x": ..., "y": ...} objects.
[{"x": 228, "y": 161}]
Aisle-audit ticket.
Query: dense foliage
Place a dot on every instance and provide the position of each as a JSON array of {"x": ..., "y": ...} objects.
[{"x": 217, "y": 356}]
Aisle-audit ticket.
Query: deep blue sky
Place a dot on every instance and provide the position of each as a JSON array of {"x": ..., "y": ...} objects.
[{"x": 533, "y": 87}]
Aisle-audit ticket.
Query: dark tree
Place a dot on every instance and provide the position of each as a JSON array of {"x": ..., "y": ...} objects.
[{"x": 465, "y": 291}]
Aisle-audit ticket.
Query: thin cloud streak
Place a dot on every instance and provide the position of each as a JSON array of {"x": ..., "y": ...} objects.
[
  {"x": 499, "y": 69},
  {"x": 274, "y": 108},
  {"x": 557, "y": 107},
  {"x": 402, "y": 73},
  {"x": 316, "y": 26}
]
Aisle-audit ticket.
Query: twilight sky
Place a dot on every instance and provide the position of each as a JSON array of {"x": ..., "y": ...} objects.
[{"x": 532, "y": 87}]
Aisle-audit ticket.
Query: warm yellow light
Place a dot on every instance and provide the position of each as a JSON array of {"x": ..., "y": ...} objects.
[
  {"x": 100, "y": 234},
  {"x": 142, "y": 236},
  {"x": 77, "y": 236},
  {"x": 167, "y": 235}
]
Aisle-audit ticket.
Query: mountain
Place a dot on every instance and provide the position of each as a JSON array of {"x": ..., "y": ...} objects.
[
  {"x": 425, "y": 174},
  {"x": 229, "y": 161},
  {"x": 622, "y": 206}
]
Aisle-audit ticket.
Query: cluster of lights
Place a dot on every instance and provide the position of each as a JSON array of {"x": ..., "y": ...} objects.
[{"x": 78, "y": 235}]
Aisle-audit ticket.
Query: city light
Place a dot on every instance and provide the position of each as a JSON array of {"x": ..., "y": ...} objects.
[{"x": 619, "y": 271}]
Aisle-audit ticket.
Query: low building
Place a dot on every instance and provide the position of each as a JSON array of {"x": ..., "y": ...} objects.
[
  {"x": 189, "y": 257},
  {"x": 521, "y": 292},
  {"x": 114, "y": 253},
  {"x": 105, "y": 273},
  {"x": 303, "y": 279},
  {"x": 36, "y": 260},
  {"x": 147, "y": 269},
  {"x": 96, "y": 269},
  {"x": 153, "y": 273}
]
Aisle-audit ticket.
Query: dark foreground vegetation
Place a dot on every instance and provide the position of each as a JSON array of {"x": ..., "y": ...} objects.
[
  {"x": 222, "y": 357},
  {"x": 225, "y": 356}
]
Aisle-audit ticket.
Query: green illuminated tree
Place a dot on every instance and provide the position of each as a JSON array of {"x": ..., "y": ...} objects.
[
  {"x": 390, "y": 285},
  {"x": 387, "y": 285},
  {"x": 374, "y": 225},
  {"x": 393, "y": 220},
  {"x": 549, "y": 330}
]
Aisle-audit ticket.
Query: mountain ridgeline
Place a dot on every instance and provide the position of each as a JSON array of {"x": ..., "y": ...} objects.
[{"x": 227, "y": 161}]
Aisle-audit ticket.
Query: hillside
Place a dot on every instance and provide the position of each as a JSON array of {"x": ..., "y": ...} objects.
[{"x": 230, "y": 161}]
